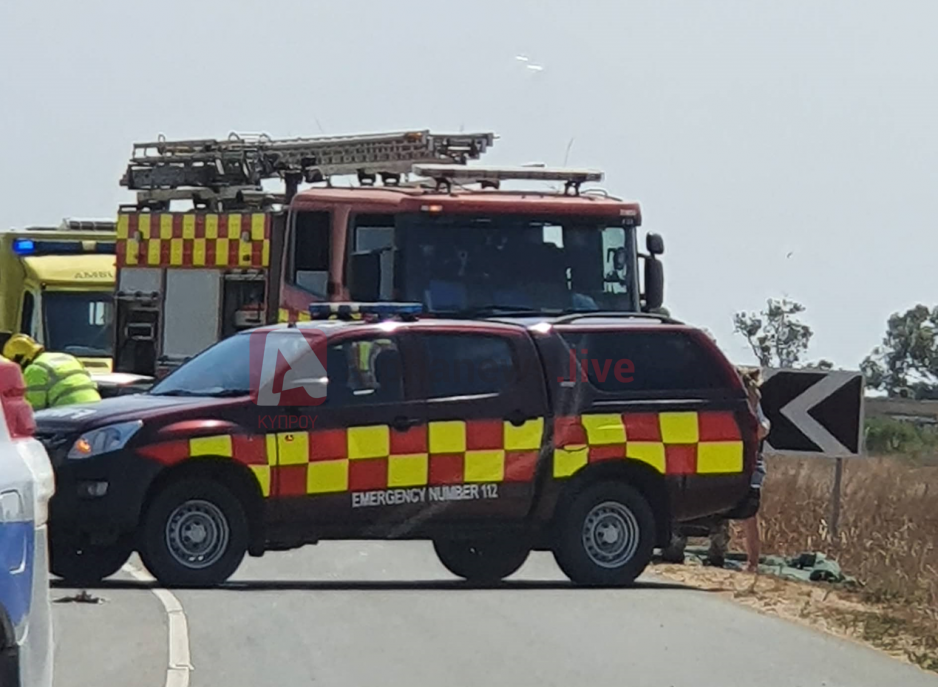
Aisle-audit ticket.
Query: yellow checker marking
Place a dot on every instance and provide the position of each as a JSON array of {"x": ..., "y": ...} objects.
[
  {"x": 720, "y": 457},
  {"x": 484, "y": 466},
  {"x": 327, "y": 476},
  {"x": 234, "y": 226},
  {"x": 175, "y": 251},
  {"x": 211, "y": 226},
  {"x": 679, "y": 428},
  {"x": 123, "y": 227},
  {"x": 143, "y": 225},
  {"x": 210, "y": 446},
  {"x": 262, "y": 473},
  {"x": 447, "y": 437},
  {"x": 293, "y": 448},
  {"x": 408, "y": 470},
  {"x": 166, "y": 226},
  {"x": 257, "y": 227},
  {"x": 153, "y": 252},
  {"x": 188, "y": 226},
  {"x": 651, "y": 452},
  {"x": 603, "y": 430},
  {"x": 198, "y": 252},
  {"x": 569, "y": 459},
  {"x": 368, "y": 442},
  {"x": 527, "y": 437},
  {"x": 221, "y": 252}
]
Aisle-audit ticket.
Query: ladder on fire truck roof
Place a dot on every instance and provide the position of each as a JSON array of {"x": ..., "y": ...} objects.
[{"x": 166, "y": 170}]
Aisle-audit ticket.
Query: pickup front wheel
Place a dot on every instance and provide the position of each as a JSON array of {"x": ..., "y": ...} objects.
[
  {"x": 483, "y": 561},
  {"x": 606, "y": 536},
  {"x": 194, "y": 534}
]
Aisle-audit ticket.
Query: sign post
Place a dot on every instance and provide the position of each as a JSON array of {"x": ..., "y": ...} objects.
[{"x": 816, "y": 413}]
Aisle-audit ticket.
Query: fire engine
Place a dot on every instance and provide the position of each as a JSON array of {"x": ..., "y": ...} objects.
[{"x": 209, "y": 249}]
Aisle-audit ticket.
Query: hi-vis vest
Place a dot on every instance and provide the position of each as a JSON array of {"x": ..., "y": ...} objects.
[{"x": 58, "y": 379}]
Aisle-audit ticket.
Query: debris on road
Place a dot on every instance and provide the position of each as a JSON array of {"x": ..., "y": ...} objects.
[{"x": 82, "y": 597}]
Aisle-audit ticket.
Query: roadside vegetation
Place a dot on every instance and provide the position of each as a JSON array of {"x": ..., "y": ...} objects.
[{"x": 887, "y": 539}]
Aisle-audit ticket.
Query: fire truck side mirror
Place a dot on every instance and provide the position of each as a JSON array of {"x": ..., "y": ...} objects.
[
  {"x": 654, "y": 244},
  {"x": 365, "y": 277},
  {"x": 654, "y": 283}
]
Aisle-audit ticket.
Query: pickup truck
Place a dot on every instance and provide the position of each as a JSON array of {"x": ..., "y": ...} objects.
[{"x": 587, "y": 435}]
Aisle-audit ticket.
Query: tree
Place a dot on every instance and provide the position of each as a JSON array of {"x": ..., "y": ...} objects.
[
  {"x": 776, "y": 335},
  {"x": 906, "y": 363}
]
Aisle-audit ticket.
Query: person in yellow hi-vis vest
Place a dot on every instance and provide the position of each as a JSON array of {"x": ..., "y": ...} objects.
[{"x": 52, "y": 379}]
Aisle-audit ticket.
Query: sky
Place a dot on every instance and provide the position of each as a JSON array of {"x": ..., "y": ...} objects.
[{"x": 782, "y": 149}]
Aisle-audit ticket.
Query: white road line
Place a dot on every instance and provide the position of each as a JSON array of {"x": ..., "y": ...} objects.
[{"x": 177, "y": 672}]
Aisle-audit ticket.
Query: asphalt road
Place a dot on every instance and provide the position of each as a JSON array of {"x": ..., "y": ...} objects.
[{"x": 356, "y": 614}]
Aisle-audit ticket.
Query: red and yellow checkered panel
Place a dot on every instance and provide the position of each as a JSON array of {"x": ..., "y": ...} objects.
[
  {"x": 374, "y": 457},
  {"x": 193, "y": 239},
  {"x": 674, "y": 443},
  {"x": 451, "y": 452},
  {"x": 257, "y": 451}
]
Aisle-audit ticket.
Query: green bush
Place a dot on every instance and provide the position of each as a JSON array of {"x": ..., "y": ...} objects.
[{"x": 886, "y": 436}]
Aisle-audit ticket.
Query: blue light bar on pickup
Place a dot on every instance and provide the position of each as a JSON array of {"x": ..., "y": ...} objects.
[
  {"x": 347, "y": 311},
  {"x": 27, "y": 247}
]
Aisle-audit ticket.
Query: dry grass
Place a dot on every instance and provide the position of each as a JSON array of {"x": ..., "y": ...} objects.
[{"x": 888, "y": 538}]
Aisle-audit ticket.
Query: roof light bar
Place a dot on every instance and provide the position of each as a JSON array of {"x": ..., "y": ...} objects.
[
  {"x": 471, "y": 174},
  {"x": 347, "y": 311},
  {"x": 28, "y": 247}
]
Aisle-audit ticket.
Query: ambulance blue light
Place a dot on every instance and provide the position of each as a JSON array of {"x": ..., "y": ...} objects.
[
  {"x": 24, "y": 247},
  {"x": 345, "y": 311},
  {"x": 33, "y": 247}
]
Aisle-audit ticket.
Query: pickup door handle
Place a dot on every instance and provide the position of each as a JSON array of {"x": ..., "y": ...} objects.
[
  {"x": 517, "y": 418},
  {"x": 402, "y": 424}
]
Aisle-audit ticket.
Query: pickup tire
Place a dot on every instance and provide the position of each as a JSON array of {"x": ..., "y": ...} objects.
[
  {"x": 484, "y": 561},
  {"x": 194, "y": 533},
  {"x": 83, "y": 564},
  {"x": 606, "y": 535}
]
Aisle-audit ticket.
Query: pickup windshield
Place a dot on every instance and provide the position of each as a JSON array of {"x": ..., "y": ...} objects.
[
  {"x": 221, "y": 370},
  {"x": 79, "y": 323},
  {"x": 461, "y": 263}
]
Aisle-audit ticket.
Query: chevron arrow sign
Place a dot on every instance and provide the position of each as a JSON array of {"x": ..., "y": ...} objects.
[{"x": 813, "y": 412}]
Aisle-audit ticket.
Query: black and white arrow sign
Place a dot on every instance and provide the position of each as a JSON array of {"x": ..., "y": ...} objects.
[{"x": 813, "y": 412}]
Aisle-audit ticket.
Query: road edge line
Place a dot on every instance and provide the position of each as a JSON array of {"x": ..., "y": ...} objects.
[{"x": 179, "y": 661}]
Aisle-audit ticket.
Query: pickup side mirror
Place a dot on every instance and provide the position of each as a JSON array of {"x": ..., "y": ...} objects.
[
  {"x": 654, "y": 283},
  {"x": 654, "y": 244},
  {"x": 364, "y": 278}
]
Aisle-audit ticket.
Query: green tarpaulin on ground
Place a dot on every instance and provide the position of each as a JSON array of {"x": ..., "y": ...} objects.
[{"x": 806, "y": 567}]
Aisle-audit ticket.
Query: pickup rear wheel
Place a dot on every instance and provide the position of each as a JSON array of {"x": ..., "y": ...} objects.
[
  {"x": 194, "y": 534},
  {"x": 484, "y": 561},
  {"x": 606, "y": 536},
  {"x": 84, "y": 564}
]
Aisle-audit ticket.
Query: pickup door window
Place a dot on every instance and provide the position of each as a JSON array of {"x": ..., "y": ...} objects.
[{"x": 485, "y": 407}]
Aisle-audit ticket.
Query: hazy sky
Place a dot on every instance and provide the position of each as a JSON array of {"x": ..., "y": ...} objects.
[{"x": 748, "y": 130}]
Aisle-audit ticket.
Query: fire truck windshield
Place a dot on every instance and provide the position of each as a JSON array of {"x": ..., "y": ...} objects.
[
  {"x": 455, "y": 263},
  {"x": 79, "y": 323}
]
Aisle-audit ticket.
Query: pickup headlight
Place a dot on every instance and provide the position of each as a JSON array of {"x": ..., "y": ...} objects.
[{"x": 103, "y": 440}]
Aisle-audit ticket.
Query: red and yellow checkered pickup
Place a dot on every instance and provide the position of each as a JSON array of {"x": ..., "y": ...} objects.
[
  {"x": 378, "y": 457},
  {"x": 674, "y": 443},
  {"x": 373, "y": 457},
  {"x": 193, "y": 239}
]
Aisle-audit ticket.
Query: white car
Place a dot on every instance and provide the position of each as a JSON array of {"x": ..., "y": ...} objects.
[{"x": 26, "y": 485}]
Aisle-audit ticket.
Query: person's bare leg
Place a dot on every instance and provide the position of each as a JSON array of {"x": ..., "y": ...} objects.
[{"x": 751, "y": 531}]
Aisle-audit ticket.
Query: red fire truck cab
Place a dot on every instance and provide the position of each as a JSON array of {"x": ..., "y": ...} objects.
[{"x": 420, "y": 225}]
